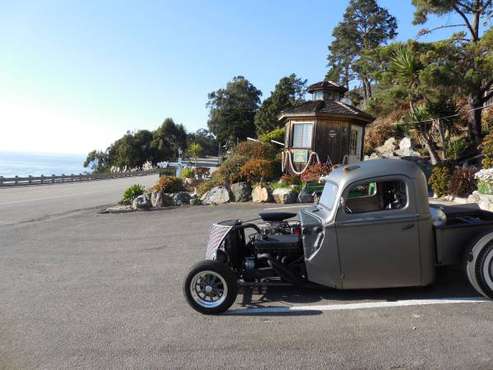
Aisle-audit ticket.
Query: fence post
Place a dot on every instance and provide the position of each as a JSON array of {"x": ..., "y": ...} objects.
[
  {"x": 52, "y": 178},
  {"x": 30, "y": 179},
  {"x": 1, "y": 180},
  {"x": 42, "y": 179},
  {"x": 16, "y": 181}
]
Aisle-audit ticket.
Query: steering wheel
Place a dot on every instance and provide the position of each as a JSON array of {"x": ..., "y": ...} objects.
[{"x": 348, "y": 210}]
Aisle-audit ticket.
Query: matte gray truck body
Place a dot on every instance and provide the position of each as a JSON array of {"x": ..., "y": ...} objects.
[{"x": 393, "y": 245}]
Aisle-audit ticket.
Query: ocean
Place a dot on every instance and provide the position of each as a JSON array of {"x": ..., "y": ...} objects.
[{"x": 25, "y": 164}]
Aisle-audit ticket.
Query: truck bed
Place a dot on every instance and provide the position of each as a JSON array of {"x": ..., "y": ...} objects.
[{"x": 464, "y": 225}]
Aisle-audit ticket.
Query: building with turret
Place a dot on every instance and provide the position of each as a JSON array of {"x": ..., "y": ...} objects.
[{"x": 325, "y": 129}]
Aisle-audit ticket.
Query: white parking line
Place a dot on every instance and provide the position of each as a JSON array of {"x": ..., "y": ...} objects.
[
  {"x": 357, "y": 306},
  {"x": 278, "y": 208}
]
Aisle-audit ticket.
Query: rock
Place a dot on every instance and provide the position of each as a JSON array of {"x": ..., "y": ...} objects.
[
  {"x": 405, "y": 149},
  {"x": 160, "y": 199},
  {"x": 241, "y": 192},
  {"x": 285, "y": 196},
  {"x": 141, "y": 202},
  {"x": 157, "y": 199},
  {"x": 119, "y": 209},
  {"x": 261, "y": 194},
  {"x": 217, "y": 195},
  {"x": 305, "y": 197},
  {"x": 388, "y": 148},
  {"x": 182, "y": 198}
]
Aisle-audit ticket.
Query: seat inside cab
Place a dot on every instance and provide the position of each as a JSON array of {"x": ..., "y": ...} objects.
[{"x": 374, "y": 196}]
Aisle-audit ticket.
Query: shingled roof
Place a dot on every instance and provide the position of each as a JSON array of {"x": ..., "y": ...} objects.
[
  {"x": 327, "y": 86},
  {"x": 329, "y": 107}
]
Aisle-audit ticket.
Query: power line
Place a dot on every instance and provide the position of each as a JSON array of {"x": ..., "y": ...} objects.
[{"x": 445, "y": 117}]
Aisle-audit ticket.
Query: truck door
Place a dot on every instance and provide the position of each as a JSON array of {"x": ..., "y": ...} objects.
[{"x": 377, "y": 234}]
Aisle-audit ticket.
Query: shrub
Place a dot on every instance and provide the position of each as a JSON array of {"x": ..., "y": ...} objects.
[
  {"x": 168, "y": 171},
  {"x": 485, "y": 181},
  {"x": 257, "y": 170},
  {"x": 207, "y": 185},
  {"x": 291, "y": 179},
  {"x": 187, "y": 172},
  {"x": 462, "y": 182},
  {"x": 202, "y": 172},
  {"x": 487, "y": 149},
  {"x": 131, "y": 193},
  {"x": 277, "y": 135},
  {"x": 456, "y": 147},
  {"x": 377, "y": 134},
  {"x": 315, "y": 171},
  {"x": 440, "y": 179},
  {"x": 230, "y": 168},
  {"x": 254, "y": 150},
  {"x": 169, "y": 184}
]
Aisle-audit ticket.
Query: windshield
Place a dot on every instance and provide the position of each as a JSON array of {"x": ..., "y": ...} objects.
[{"x": 329, "y": 195}]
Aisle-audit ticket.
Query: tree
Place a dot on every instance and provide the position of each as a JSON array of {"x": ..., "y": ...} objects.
[
  {"x": 97, "y": 161},
  {"x": 365, "y": 26},
  {"x": 232, "y": 111},
  {"x": 288, "y": 92},
  {"x": 476, "y": 60},
  {"x": 194, "y": 151},
  {"x": 167, "y": 140},
  {"x": 419, "y": 78},
  {"x": 205, "y": 139}
]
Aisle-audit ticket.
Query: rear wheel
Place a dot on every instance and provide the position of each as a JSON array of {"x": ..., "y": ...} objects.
[
  {"x": 479, "y": 267},
  {"x": 484, "y": 270},
  {"x": 210, "y": 287}
]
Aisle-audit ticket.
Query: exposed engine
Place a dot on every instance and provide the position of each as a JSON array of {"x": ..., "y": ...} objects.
[{"x": 273, "y": 250}]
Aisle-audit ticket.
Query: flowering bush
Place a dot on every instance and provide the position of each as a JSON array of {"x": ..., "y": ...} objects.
[
  {"x": 257, "y": 170},
  {"x": 169, "y": 184},
  {"x": 315, "y": 171},
  {"x": 485, "y": 181}
]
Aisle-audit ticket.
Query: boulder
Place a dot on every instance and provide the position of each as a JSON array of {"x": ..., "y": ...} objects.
[
  {"x": 182, "y": 198},
  {"x": 157, "y": 199},
  {"x": 141, "y": 202},
  {"x": 261, "y": 194},
  {"x": 388, "y": 148},
  {"x": 285, "y": 196},
  {"x": 217, "y": 195},
  {"x": 405, "y": 149},
  {"x": 160, "y": 199},
  {"x": 241, "y": 192}
]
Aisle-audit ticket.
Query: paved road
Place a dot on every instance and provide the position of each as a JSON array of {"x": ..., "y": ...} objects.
[
  {"x": 20, "y": 204},
  {"x": 95, "y": 290}
]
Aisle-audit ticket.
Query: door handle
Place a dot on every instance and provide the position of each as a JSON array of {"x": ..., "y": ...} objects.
[{"x": 408, "y": 227}]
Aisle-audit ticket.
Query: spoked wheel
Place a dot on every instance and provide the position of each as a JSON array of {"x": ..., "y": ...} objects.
[{"x": 210, "y": 287}]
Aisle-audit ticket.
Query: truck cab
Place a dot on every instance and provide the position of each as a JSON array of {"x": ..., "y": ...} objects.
[{"x": 375, "y": 224}]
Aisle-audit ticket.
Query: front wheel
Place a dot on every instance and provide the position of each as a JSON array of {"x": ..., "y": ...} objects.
[{"x": 210, "y": 287}]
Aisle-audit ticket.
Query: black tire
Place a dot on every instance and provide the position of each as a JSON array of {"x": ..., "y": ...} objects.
[
  {"x": 484, "y": 270},
  {"x": 216, "y": 276}
]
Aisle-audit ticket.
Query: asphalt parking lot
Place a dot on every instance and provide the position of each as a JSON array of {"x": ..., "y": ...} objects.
[{"x": 90, "y": 290}]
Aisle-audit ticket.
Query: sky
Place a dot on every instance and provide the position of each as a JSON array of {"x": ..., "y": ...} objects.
[{"x": 76, "y": 75}]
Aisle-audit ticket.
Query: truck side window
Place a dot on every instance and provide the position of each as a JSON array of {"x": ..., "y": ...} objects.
[{"x": 375, "y": 196}]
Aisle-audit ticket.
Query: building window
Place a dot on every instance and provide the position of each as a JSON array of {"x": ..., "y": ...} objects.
[
  {"x": 318, "y": 95},
  {"x": 302, "y": 135},
  {"x": 353, "y": 143}
]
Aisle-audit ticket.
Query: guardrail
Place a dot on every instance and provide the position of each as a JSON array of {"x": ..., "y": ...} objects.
[{"x": 53, "y": 179}]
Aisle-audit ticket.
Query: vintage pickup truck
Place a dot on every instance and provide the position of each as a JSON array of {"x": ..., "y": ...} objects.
[{"x": 372, "y": 228}]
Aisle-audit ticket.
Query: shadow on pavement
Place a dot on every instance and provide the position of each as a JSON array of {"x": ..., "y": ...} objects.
[{"x": 450, "y": 284}]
